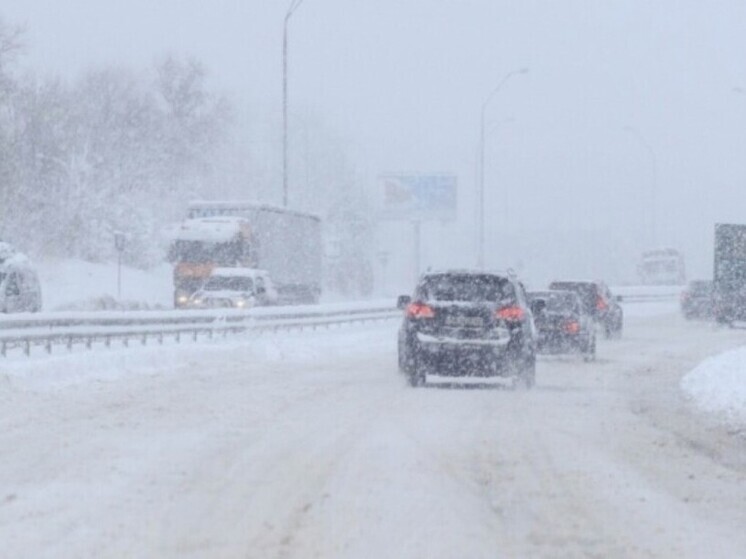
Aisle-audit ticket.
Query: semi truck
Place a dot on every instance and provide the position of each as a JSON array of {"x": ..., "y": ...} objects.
[
  {"x": 285, "y": 243},
  {"x": 729, "y": 273}
]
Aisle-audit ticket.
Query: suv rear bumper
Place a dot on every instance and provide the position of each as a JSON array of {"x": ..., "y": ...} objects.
[{"x": 484, "y": 358}]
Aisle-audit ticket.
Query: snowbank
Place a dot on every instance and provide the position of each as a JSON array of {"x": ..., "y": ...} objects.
[
  {"x": 79, "y": 285},
  {"x": 718, "y": 385}
]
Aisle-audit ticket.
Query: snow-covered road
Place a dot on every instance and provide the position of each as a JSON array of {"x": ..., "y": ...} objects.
[{"x": 311, "y": 445}]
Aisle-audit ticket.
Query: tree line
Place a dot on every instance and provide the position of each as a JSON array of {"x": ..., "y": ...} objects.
[{"x": 118, "y": 149}]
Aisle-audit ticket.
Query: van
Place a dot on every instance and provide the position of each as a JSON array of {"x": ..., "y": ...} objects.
[
  {"x": 235, "y": 287},
  {"x": 19, "y": 288}
]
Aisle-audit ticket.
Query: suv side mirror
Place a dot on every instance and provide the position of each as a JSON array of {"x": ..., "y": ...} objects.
[
  {"x": 538, "y": 305},
  {"x": 403, "y": 301},
  {"x": 618, "y": 298},
  {"x": 261, "y": 290}
]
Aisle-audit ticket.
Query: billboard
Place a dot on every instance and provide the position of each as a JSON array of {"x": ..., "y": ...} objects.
[{"x": 418, "y": 197}]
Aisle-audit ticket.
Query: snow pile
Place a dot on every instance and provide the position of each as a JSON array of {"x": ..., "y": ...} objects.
[{"x": 718, "y": 385}]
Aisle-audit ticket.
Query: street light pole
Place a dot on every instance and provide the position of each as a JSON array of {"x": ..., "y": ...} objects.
[
  {"x": 480, "y": 253},
  {"x": 654, "y": 181},
  {"x": 294, "y": 4}
]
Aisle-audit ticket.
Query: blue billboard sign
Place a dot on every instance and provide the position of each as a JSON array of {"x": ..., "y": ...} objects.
[{"x": 418, "y": 196}]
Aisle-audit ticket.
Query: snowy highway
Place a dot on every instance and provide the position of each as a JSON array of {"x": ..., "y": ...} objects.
[{"x": 310, "y": 444}]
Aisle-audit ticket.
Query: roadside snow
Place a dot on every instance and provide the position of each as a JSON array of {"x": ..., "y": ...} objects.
[
  {"x": 79, "y": 285},
  {"x": 718, "y": 385}
]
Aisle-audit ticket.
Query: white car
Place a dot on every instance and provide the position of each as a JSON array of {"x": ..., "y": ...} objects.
[{"x": 235, "y": 288}]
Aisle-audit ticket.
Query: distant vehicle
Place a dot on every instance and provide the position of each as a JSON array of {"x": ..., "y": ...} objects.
[
  {"x": 286, "y": 243},
  {"x": 563, "y": 324},
  {"x": 663, "y": 266},
  {"x": 20, "y": 290},
  {"x": 697, "y": 300},
  {"x": 729, "y": 273},
  {"x": 598, "y": 302},
  {"x": 467, "y": 324},
  {"x": 235, "y": 288}
]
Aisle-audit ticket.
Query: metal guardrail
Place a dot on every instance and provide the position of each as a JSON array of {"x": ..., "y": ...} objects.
[
  {"x": 648, "y": 294},
  {"x": 104, "y": 328},
  {"x": 89, "y": 329},
  {"x": 649, "y": 298}
]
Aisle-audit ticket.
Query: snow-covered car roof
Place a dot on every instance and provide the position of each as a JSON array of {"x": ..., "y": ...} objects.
[
  {"x": 471, "y": 272},
  {"x": 214, "y": 229},
  {"x": 238, "y": 272}
]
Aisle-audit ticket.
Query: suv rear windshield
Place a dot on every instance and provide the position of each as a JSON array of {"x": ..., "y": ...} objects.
[
  {"x": 558, "y": 302},
  {"x": 471, "y": 288}
]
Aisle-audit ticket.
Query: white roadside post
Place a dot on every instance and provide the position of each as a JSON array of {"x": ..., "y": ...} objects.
[{"x": 119, "y": 245}]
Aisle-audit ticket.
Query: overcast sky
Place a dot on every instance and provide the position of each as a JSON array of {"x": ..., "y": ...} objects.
[{"x": 622, "y": 97}]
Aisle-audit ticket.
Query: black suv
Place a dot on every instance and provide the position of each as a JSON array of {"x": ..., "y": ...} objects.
[
  {"x": 467, "y": 324},
  {"x": 598, "y": 302}
]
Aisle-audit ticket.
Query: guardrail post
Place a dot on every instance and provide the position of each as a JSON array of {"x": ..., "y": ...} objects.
[
  {"x": 144, "y": 339},
  {"x": 69, "y": 343},
  {"x": 194, "y": 336},
  {"x": 160, "y": 338},
  {"x": 107, "y": 341},
  {"x": 88, "y": 342},
  {"x": 126, "y": 341},
  {"x": 48, "y": 345},
  {"x": 4, "y": 349},
  {"x": 178, "y": 337}
]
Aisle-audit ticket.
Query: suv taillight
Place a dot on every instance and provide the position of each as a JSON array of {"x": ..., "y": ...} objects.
[
  {"x": 572, "y": 326},
  {"x": 511, "y": 314},
  {"x": 419, "y": 310}
]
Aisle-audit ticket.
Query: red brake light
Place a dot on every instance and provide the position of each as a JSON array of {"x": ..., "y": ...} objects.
[
  {"x": 511, "y": 314},
  {"x": 601, "y": 304},
  {"x": 419, "y": 310},
  {"x": 572, "y": 327}
]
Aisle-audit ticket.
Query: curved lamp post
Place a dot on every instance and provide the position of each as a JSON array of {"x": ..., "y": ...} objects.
[
  {"x": 480, "y": 253},
  {"x": 294, "y": 4}
]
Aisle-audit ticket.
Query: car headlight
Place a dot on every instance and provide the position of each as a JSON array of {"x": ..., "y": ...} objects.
[
  {"x": 241, "y": 303},
  {"x": 182, "y": 298}
]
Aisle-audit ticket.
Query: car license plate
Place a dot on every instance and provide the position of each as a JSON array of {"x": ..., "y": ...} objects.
[{"x": 465, "y": 321}]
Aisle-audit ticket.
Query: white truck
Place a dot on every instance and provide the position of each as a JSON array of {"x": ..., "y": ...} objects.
[{"x": 285, "y": 243}]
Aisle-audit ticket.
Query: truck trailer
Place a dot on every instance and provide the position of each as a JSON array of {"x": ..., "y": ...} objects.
[
  {"x": 729, "y": 273},
  {"x": 284, "y": 242}
]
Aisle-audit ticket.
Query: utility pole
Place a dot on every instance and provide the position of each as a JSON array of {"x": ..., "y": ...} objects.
[{"x": 294, "y": 4}]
